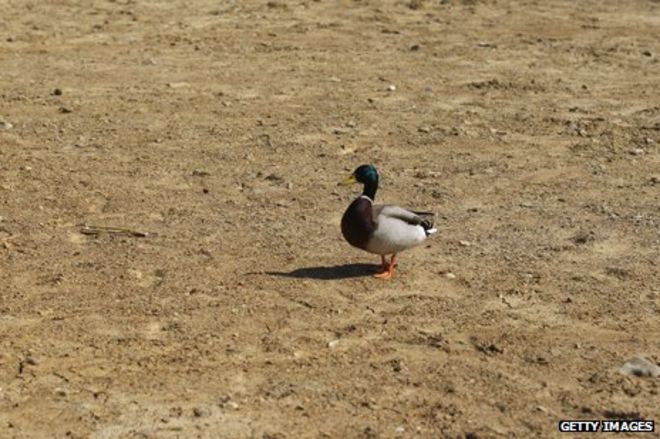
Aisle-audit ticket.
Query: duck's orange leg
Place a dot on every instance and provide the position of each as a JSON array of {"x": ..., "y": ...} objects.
[
  {"x": 383, "y": 264},
  {"x": 388, "y": 270}
]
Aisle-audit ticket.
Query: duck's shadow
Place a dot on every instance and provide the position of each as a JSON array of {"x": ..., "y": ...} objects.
[{"x": 345, "y": 271}]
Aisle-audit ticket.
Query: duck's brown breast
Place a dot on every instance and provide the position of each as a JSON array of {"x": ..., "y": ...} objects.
[{"x": 357, "y": 224}]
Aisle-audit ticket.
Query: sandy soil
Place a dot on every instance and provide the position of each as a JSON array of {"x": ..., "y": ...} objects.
[{"x": 221, "y": 129}]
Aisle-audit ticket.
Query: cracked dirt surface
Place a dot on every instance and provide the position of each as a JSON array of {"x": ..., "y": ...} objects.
[{"x": 221, "y": 129}]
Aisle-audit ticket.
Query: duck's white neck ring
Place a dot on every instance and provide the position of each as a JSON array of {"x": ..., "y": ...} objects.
[{"x": 370, "y": 200}]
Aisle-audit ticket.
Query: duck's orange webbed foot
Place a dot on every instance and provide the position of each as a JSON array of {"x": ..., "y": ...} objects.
[
  {"x": 384, "y": 275},
  {"x": 388, "y": 269}
]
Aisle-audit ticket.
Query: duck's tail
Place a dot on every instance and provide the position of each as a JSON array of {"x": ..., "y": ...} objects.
[{"x": 427, "y": 222}]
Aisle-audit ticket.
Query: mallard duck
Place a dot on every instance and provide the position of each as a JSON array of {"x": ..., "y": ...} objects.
[{"x": 382, "y": 229}]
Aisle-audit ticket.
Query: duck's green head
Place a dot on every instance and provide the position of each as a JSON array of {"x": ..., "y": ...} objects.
[
  {"x": 365, "y": 174},
  {"x": 368, "y": 176}
]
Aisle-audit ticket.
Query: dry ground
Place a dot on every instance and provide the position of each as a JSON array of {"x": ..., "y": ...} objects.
[{"x": 221, "y": 128}]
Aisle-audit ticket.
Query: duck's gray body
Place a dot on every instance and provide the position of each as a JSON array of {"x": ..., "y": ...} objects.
[{"x": 384, "y": 229}]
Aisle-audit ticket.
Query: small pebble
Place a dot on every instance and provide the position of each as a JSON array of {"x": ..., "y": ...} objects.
[
  {"x": 424, "y": 130},
  {"x": 60, "y": 392},
  {"x": 198, "y": 412},
  {"x": 464, "y": 243},
  {"x": 178, "y": 84},
  {"x": 636, "y": 151},
  {"x": 333, "y": 343},
  {"x": 232, "y": 405},
  {"x": 57, "y": 92},
  {"x": 654, "y": 179},
  {"x": 391, "y": 87},
  {"x": 32, "y": 361},
  {"x": 647, "y": 53},
  {"x": 5, "y": 125},
  {"x": 450, "y": 275},
  {"x": 400, "y": 429}
]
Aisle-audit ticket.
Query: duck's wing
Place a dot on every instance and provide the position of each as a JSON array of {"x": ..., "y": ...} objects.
[{"x": 424, "y": 219}]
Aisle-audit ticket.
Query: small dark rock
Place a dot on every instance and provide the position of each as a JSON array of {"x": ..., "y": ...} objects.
[
  {"x": 57, "y": 92},
  {"x": 65, "y": 110},
  {"x": 620, "y": 414},
  {"x": 395, "y": 364},
  {"x": 369, "y": 433},
  {"x": 583, "y": 237},
  {"x": 276, "y": 5},
  {"x": 541, "y": 360},
  {"x": 486, "y": 348}
]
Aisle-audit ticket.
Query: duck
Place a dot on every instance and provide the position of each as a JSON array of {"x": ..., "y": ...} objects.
[{"x": 381, "y": 229}]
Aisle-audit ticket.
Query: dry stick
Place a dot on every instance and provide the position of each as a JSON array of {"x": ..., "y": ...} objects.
[{"x": 97, "y": 230}]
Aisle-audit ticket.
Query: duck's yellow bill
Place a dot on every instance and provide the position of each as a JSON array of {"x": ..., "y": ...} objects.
[{"x": 349, "y": 180}]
